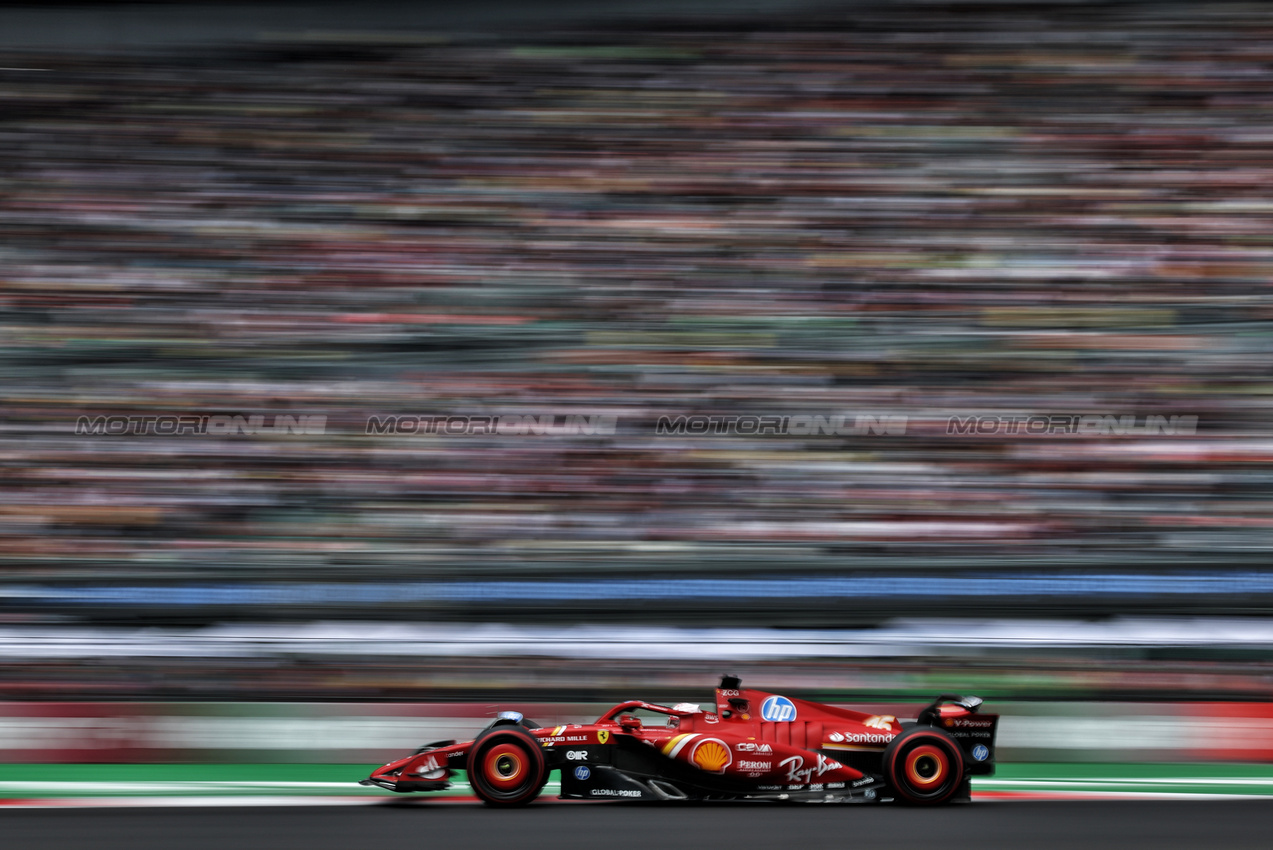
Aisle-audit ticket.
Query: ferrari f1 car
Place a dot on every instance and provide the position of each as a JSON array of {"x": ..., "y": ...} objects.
[{"x": 754, "y": 746}]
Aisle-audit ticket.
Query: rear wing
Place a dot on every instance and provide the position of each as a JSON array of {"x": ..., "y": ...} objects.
[{"x": 960, "y": 717}]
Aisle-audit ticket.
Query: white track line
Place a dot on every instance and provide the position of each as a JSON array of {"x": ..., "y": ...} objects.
[
  {"x": 196, "y": 802},
  {"x": 989, "y": 796},
  {"x": 1071, "y": 781}
]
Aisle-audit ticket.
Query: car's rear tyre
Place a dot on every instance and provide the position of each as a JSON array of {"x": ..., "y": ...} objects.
[
  {"x": 924, "y": 766},
  {"x": 506, "y": 766}
]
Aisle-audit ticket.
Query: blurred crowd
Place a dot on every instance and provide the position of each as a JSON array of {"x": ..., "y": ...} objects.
[
  {"x": 1039, "y": 675},
  {"x": 974, "y": 211}
]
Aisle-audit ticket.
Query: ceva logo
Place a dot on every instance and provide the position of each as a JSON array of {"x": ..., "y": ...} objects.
[{"x": 778, "y": 710}]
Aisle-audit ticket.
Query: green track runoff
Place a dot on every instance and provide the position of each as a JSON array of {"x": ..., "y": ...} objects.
[{"x": 62, "y": 781}]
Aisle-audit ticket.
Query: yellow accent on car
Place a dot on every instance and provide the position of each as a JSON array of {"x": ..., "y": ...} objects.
[{"x": 670, "y": 745}]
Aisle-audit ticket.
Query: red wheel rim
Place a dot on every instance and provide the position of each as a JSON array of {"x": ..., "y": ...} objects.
[
  {"x": 505, "y": 766},
  {"x": 927, "y": 766}
]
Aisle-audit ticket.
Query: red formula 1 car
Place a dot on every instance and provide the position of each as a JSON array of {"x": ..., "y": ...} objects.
[{"x": 754, "y": 746}]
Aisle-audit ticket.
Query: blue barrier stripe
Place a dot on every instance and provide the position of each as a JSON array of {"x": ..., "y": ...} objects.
[{"x": 796, "y": 587}]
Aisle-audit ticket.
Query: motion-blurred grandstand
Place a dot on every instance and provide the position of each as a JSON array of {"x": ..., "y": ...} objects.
[{"x": 1004, "y": 212}]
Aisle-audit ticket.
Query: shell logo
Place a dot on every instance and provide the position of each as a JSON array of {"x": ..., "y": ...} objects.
[{"x": 711, "y": 755}]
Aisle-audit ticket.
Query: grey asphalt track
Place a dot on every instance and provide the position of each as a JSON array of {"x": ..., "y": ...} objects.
[{"x": 1161, "y": 825}]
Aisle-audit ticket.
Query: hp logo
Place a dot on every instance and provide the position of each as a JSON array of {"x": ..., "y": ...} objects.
[{"x": 778, "y": 710}]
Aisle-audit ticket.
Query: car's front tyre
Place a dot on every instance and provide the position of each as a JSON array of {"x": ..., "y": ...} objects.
[{"x": 506, "y": 766}]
